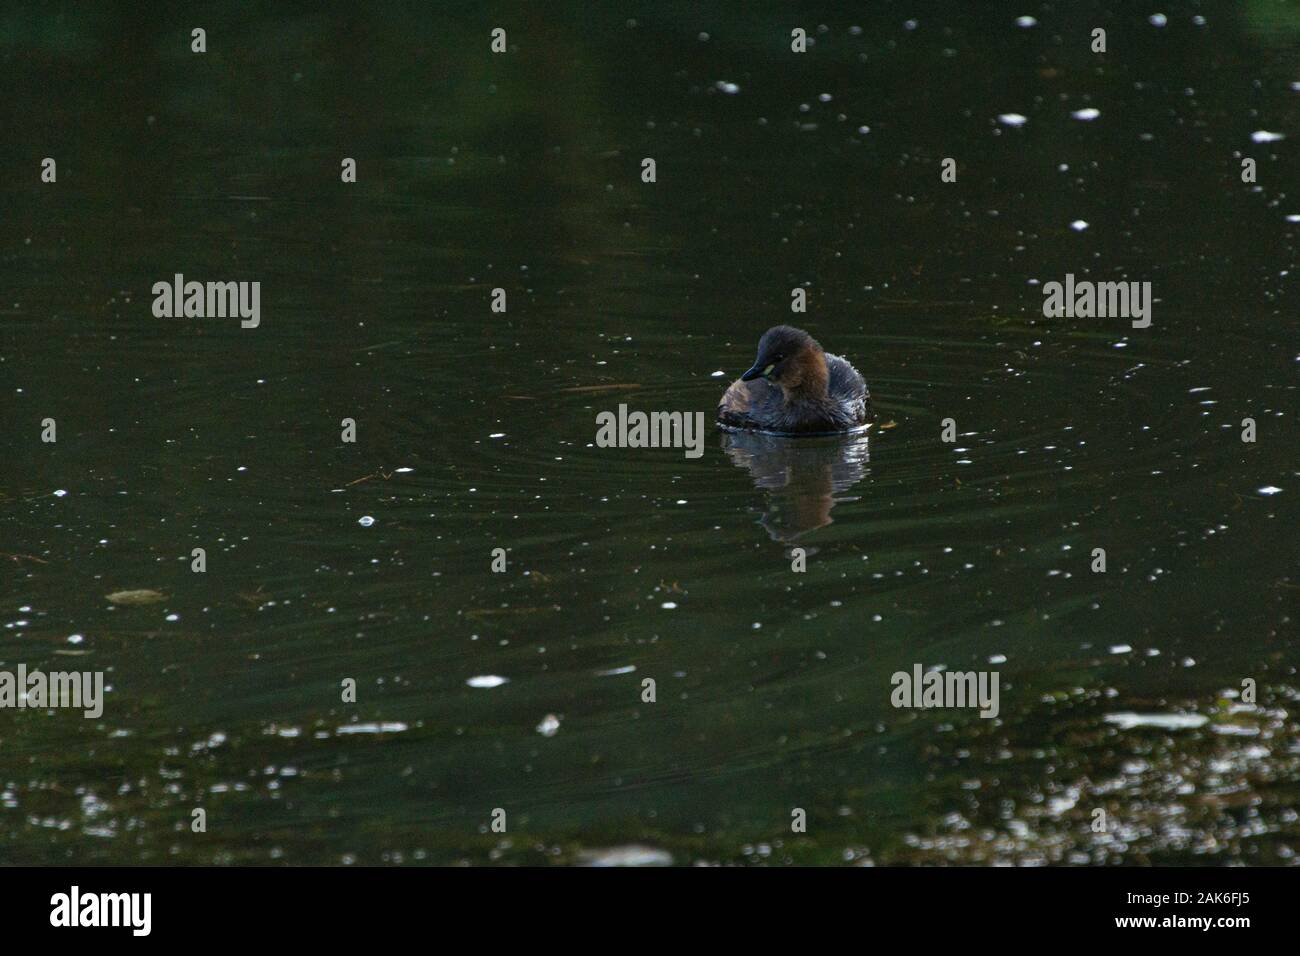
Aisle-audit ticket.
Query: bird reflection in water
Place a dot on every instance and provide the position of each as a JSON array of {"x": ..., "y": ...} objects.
[{"x": 803, "y": 478}]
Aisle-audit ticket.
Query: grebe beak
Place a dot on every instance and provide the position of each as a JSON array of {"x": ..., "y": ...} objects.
[{"x": 756, "y": 372}]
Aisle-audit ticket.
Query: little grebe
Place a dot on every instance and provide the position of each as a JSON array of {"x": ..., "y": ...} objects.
[{"x": 795, "y": 388}]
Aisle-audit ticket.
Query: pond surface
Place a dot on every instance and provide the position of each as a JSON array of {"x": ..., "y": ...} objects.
[{"x": 475, "y": 430}]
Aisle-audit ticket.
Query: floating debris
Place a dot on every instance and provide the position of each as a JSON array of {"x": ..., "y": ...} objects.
[
  {"x": 136, "y": 596},
  {"x": 1264, "y": 136},
  {"x": 1128, "y": 721},
  {"x": 487, "y": 680},
  {"x": 633, "y": 854},
  {"x": 391, "y": 727},
  {"x": 365, "y": 521},
  {"x": 1087, "y": 114},
  {"x": 1012, "y": 119},
  {"x": 487, "y": 611},
  {"x": 600, "y": 388},
  {"x": 550, "y": 726}
]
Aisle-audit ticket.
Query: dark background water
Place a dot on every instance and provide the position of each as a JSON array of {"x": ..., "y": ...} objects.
[{"x": 522, "y": 171}]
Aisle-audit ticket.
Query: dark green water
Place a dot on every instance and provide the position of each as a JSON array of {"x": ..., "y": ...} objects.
[{"x": 523, "y": 171}]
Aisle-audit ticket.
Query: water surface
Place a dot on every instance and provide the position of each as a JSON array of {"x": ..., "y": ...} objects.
[{"x": 476, "y": 430}]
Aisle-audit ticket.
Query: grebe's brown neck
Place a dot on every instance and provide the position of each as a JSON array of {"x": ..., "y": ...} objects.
[{"x": 807, "y": 379}]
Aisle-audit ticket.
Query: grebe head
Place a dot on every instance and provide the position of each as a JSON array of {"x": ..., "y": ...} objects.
[{"x": 791, "y": 359}]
